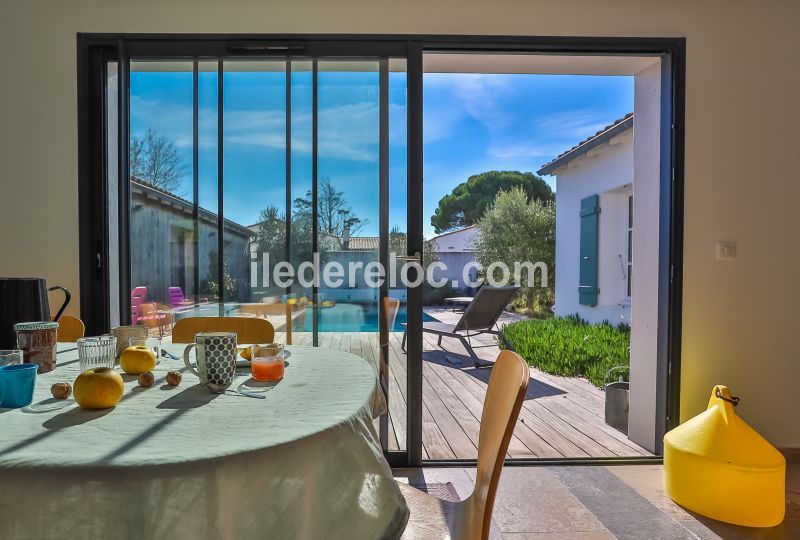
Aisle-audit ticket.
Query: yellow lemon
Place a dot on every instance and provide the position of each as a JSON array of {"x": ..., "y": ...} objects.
[
  {"x": 137, "y": 360},
  {"x": 98, "y": 388}
]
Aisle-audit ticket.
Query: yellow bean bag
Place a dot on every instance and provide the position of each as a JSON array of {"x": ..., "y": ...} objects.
[{"x": 720, "y": 467}]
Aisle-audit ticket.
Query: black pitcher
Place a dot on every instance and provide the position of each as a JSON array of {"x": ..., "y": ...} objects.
[{"x": 24, "y": 300}]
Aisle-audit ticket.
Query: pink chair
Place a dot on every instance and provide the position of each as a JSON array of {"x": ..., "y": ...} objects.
[
  {"x": 138, "y": 296},
  {"x": 177, "y": 299}
]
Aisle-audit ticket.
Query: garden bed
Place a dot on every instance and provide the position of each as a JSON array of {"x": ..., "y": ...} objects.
[{"x": 570, "y": 347}]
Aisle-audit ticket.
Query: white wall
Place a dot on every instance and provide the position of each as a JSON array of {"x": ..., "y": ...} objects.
[
  {"x": 645, "y": 344},
  {"x": 456, "y": 242},
  {"x": 607, "y": 171},
  {"x": 740, "y": 317}
]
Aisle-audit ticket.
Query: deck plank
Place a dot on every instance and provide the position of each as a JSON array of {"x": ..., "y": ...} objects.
[{"x": 561, "y": 417}]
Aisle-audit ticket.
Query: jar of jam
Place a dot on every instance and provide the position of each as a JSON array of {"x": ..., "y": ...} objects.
[{"x": 38, "y": 340}]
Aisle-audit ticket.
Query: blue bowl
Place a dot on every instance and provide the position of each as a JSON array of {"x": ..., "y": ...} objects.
[{"x": 17, "y": 382}]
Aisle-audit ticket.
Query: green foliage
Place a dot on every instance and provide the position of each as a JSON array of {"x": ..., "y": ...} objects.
[
  {"x": 469, "y": 200},
  {"x": 516, "y": 230},
  {"x": 571, "y": 347},
  {"x": 211, "y": 285}
]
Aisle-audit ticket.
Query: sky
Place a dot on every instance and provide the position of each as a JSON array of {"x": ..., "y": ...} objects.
[{"x": 472, "y": 123}]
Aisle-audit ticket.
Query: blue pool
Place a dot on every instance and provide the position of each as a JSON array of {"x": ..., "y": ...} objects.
[{"x": 354, "y": 318}]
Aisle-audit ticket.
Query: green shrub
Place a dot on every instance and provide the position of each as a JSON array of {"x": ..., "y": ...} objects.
[{"x": 571, "y": 347}]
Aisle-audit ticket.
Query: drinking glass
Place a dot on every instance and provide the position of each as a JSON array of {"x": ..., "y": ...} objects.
[
  {"x": 154, "y": 344},
  {"x": 97, "y": 352},
  {"x": 13, "y": 356},
  {"x": 267, "y": 362}
]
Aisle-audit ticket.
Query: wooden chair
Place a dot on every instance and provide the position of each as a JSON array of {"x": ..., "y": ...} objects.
[
  {"x": 470, "y": 519},
  {"x": 248, "y": 329},
  {"x": 70, "y": 329}
]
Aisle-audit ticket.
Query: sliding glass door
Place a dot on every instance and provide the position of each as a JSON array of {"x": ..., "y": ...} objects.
[{"x": 273, "y": 187}]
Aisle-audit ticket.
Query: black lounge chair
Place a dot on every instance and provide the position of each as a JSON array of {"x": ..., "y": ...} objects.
[{"x": 480, "y": 317}]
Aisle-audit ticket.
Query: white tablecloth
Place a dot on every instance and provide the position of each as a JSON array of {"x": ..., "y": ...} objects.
[{"x": 184, "y": 463}]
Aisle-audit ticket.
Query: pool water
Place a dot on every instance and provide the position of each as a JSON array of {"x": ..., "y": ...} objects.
[{"x": 331, "y": 321}]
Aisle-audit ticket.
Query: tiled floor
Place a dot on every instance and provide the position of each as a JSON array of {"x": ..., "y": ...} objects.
[{"x": 590, "y": 502}]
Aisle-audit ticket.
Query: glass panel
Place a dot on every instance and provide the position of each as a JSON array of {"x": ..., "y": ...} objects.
[
  {"x": 348, "y": 193},
  {"x": 300, "y": 248},
  {"x": 207, "y": 273},
  {"x": 112, "y": 175},
  {"x": 398, "y": 204},
  {"x": 161, "y": 188},
  {"x": 254, "y": 193}
]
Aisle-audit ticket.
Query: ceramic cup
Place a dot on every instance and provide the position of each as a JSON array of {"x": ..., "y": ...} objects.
[
  {"x": 216, "y": 357},
  {"x": 17, "y": 382}
]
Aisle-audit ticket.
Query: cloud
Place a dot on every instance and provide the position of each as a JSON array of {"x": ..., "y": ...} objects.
[
  {"x": 525, "y": 149},
  {"x": 348, "y": 132},
  {"x": 574, "y": 125}
]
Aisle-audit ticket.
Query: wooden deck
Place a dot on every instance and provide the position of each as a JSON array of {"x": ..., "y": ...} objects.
[{"x": 561, "y": 417}]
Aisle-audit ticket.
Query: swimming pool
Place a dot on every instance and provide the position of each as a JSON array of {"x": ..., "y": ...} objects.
[{"x": 355, "y": 318}]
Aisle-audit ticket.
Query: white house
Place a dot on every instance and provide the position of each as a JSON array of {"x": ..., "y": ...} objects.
[
  {"x": 456, "y": 249},
  {"x": 594, "y": 225}
]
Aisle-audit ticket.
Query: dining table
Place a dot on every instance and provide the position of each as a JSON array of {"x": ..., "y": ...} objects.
[{"x": 299, "y": 460}]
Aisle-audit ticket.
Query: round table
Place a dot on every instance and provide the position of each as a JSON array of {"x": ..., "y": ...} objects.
[{"x": 181, "y": 462}]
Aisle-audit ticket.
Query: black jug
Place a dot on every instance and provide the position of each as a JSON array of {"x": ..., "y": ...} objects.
[{"x": 24, "y": 300}]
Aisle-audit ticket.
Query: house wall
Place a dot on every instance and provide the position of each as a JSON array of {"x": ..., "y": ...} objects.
[
  {"x": 156, "y": 232},
  {"x": 456, "y": 250},
  {"x": 606, "y": 171},
  {"x": 463, "y": 240},
  {"x": 739, "y": 317}
]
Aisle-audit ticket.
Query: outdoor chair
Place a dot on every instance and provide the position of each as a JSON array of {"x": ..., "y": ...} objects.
[
  {"x": 138, "y": 296},
  {"x": 471, "y": 519},
  {"x": 480, "y": 317},
  {"x": 177, "y": 298}
]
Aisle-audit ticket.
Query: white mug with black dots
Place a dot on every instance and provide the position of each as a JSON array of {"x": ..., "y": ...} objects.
[{"x": 216, "y": 357}]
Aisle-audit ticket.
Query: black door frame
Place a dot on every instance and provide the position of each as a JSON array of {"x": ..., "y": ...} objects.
[{"x": 95, "y": 49}]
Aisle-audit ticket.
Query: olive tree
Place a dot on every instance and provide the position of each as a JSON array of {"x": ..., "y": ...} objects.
[{"x": 520, "y": 233}]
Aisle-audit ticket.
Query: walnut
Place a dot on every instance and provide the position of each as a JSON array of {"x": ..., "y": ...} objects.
[
  {"x": 146, "y": 379},
  {"x": 174, "y": 378},
  {"x": 61, "y": 390}
]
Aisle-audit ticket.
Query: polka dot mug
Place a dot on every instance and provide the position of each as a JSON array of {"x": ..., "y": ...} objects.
[{"x": 216, "y": 357}]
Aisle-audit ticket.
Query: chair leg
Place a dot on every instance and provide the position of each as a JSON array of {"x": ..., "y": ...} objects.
[
  {"x": 439, "y": 341},
  {"x": 476, "y": 361},
  {"x": 403, "y": 344}
]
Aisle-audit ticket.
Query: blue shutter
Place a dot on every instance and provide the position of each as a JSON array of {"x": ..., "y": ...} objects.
[{"x": 587, "y": 282}]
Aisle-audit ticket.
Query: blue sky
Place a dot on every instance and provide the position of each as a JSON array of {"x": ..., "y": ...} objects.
[{"x": 472, "y": 124}]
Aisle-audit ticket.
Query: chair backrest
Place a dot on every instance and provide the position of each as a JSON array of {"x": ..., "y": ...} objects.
[
  {"x": 508, "y": 384},
  {"x": 247, "y": 329},
  {"x": 390, "y": 308},
  {"x": 70, "y": 329},
  {"x": 138, "y": 296},
  {"x": 485, "y": 309},
  {"x": 175, "y": 295}
]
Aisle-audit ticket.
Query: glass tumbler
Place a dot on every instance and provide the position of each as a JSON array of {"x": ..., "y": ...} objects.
[
  {"x": 267, "y": 362},
  {"x": 96, "y": 352},
  {"x": 154, "y": 344},
  {"x": 13, "y": 356}
]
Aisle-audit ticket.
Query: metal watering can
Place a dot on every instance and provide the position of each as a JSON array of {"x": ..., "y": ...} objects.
[
  {"x": 24, "y": 300},
  {"x": 617, "y": 399}
]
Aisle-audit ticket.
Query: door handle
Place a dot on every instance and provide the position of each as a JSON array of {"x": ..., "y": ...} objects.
[{"x": 415, "y": 257}]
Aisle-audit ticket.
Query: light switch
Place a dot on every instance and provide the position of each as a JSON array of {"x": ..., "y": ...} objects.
[{"x": 726, "y": 251}]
